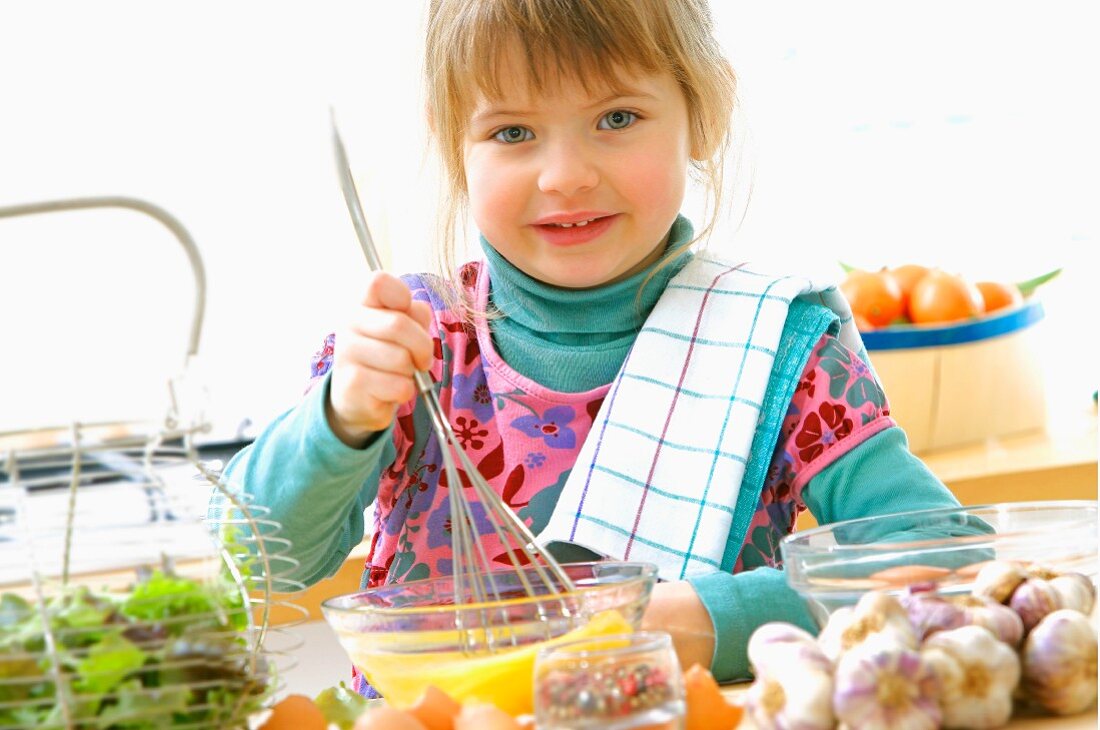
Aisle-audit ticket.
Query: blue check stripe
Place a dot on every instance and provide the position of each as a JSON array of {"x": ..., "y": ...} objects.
[
  {"x": 714, "y": 343},
  {"x": 731, "y": 292},
  {"x": 645, "y": 541},
  {"x": 664, "y": 493},
  {"x": 674, "y": 445},
  {"x": 693, "y": 393},
  {"x": 722, "y": 432},
  {"x": 672, "y": 408}
]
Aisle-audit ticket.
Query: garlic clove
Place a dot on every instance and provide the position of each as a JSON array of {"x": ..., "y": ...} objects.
[
  {"x": 977, "y": 675},
  {"x": 1075, "y": 591},
  {"x": 1000, "y": 620},
  {"x": 998, "y": 579},
  {"x": 793, "y": 694},
  {"x": 877, "y": 616},
  {"x": 1033, "y": 600},
  {"x": 766, "y": 647},
  {"x": 1059, "y": 663},
  {"x": 886, "y": 685},
  {"x": 879, "y": 602},
  {"x": 930, "y": 612}
]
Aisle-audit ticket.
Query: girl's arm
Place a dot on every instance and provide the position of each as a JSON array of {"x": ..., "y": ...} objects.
[
  {"x": 316, "y": 468},
  {"x": 876, "y": 477},
  {"x": 316, "y": 486}
]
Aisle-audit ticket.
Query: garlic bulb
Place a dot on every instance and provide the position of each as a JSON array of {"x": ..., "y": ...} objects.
[
  {"x": 977, "y": 674},
  {"x": 1000, "y": 620},
  {"x": 1034, "y": 599},
  {"x": 998, "y": 579},
  {"x": 765, "y": 642},
  {"x": 791, "y": 690},
  {"x": 876, "y": 617},
  {"x": 930, "y": 612},
  {"x": 881, "y": 684},
  {"x": 1076, "y": 591},
  {"x": 1059, "y": 663}
]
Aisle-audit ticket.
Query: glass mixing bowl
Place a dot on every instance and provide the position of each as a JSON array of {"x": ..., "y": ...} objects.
[
  {"x": 406, "y": 636},
  {"x": 833, "y": 565}
]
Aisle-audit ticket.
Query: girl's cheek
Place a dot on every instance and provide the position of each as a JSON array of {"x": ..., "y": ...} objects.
[
  {"x": 655, "y": 181},
  {"x": 493, "y": 192}
]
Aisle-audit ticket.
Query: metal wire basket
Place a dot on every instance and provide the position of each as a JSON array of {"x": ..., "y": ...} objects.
[{"x": 136, "y": 589}]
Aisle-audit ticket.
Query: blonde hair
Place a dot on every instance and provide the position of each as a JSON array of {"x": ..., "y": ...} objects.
[{"x": 580, "y": 40}]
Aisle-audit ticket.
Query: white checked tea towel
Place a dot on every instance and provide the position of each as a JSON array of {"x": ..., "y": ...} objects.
[{"x": 658, "y": 478}]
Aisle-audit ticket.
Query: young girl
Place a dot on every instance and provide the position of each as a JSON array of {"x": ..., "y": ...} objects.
[{"x": 626, "y": 396}]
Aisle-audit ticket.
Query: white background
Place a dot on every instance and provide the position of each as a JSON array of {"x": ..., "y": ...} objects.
[{"x": 958, "y": 134}]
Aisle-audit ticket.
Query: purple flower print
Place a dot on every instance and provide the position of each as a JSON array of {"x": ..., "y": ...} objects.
[
  {"x": 472, "y": 393},
  {"x": 553, "y": 427},
  {"x": 439, "y": 524},
  {"x": 535, "y": 459}
]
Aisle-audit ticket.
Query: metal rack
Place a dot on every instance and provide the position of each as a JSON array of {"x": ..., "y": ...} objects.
[{"x": 136, "y": 587}]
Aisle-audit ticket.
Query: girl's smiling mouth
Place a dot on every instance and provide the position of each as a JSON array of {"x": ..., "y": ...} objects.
[{"x": 570, "y": 229}]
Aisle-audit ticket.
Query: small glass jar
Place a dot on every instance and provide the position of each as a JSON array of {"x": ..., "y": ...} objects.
[{"x": 618, "y": 682}]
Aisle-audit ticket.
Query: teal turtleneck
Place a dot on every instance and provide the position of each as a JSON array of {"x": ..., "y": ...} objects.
[{"x": 594, "y": 328}]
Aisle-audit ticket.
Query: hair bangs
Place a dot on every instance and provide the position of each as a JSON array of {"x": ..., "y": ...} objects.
[{"x": 544, "y": 45}]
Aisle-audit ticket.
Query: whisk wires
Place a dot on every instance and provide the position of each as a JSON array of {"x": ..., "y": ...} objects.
[{"x": 473, "y": 572}]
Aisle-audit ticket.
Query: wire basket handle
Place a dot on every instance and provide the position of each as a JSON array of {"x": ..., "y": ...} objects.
[{"x": 153, "y": 211}]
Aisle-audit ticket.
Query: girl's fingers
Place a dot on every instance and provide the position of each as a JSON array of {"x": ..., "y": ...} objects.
[
  {"x": 387, "y": 389},
  {"x": 363, "y": 398},
  {"x": 376, "y": 355},
  {"x": 386, "y": 291},
  {"x": 398, "y": 328},
  {"x": 421, "y": 312},
  {"x": 423, "y": 351}
]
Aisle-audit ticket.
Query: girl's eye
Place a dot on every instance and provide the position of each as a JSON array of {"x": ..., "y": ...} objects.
[
  {"x": 511, "y": 135},
  {"x": 618, "y": 119}
]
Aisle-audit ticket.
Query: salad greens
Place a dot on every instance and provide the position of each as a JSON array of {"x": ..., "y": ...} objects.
[
  {"x": 341, "y": 705},
  {"x": 171, "y": 652}
]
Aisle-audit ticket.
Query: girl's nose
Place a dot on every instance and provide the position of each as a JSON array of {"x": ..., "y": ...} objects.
[{"x": 566, "y": 169}]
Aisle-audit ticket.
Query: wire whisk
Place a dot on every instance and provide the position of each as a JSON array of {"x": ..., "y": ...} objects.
[{"x": 472, "y": 569}]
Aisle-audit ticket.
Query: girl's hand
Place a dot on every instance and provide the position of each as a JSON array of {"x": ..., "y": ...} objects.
[
  {"x": 675, "y": 607},
  {"x": 375, "y": 357}
]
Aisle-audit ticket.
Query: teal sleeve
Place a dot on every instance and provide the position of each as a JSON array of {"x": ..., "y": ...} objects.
[
  {"x": 314, "y": 485},
  {"x": 738, "y": 604},
  {"x": 879, "y": 476}
]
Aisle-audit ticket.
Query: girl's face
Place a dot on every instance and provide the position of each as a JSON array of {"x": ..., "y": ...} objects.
[{"x": 577, "y": 188}]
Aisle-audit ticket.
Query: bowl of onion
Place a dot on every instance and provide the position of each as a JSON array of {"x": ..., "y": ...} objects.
[
  {"x": 834, "y": 565},
  {"x": 963, "y": 618}
]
